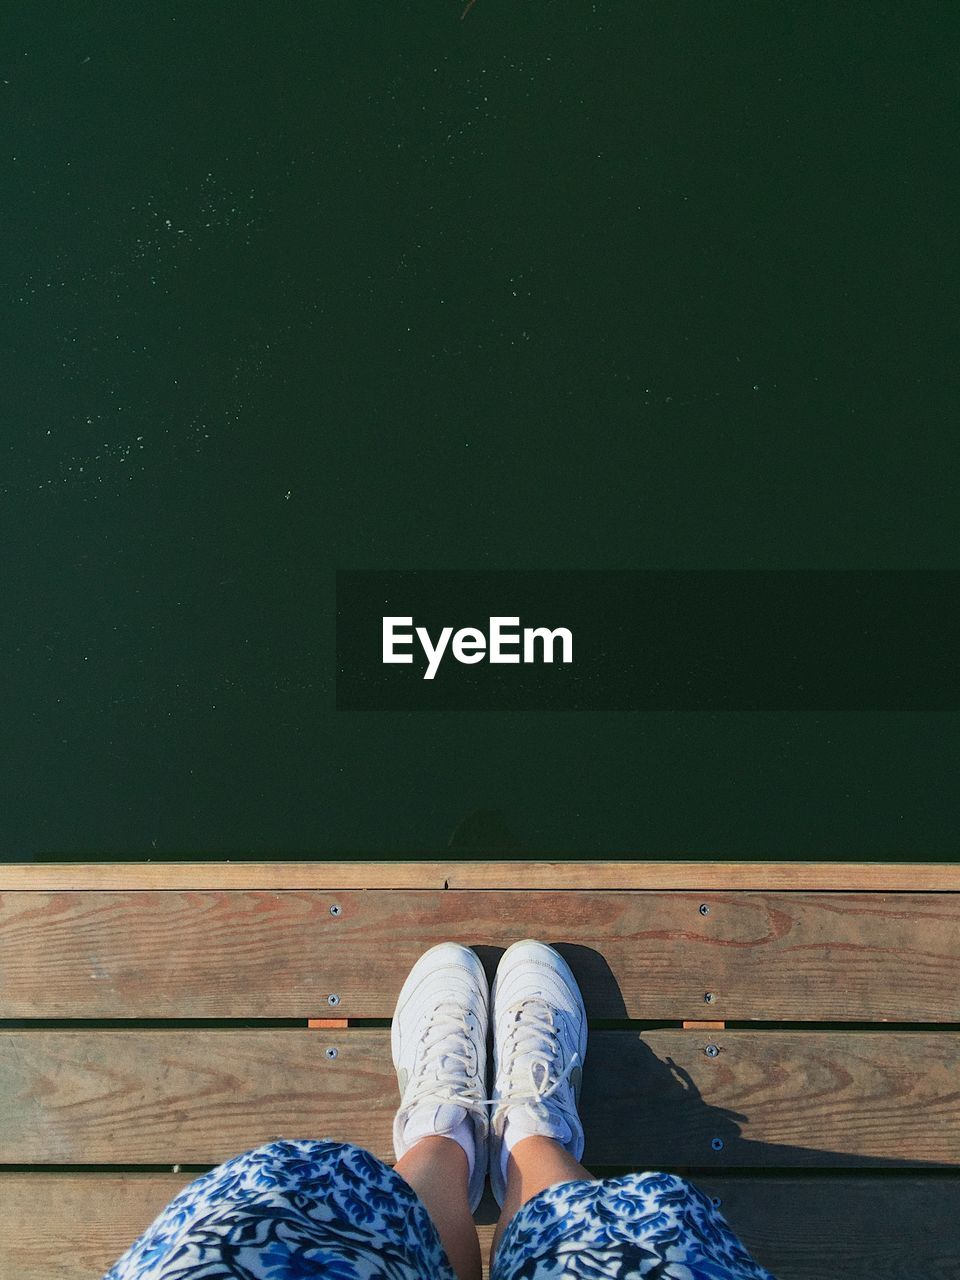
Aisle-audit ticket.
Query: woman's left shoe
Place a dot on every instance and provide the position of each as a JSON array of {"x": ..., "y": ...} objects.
[
  {"x": 439, "y": 1042},
  {"x": 539, "y": 1044}
]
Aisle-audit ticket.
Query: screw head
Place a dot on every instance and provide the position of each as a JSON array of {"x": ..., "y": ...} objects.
[
  {"x": 709, "y": 997},
  {"x": 717, "y": 1144},
  {"x": 712, "y": 1050},
  {"x": 336, "y": 909},
  {"x": 331, "y": 1052},
  {"x": 716, "y": 1201},
  {"x": 704, "y": 909},
  {"x": 333, "y": 999}
]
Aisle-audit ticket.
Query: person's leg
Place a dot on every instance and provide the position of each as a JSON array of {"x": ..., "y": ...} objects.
[
  {"x": 294, "y": 1208},
  {"x": 556, "y": 1218},
  {"x": 305, "y": 1207},
  {"x": 436, "y": 1168},
  {"x": 534, "y": 1164},
  {"x": 539, "y": 1045},
  {"x": 439, "y": 1048}
]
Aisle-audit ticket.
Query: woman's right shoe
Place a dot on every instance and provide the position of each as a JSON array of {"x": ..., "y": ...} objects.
[
  {"x": 539, "y": 1044},
  {"x": 439, "y": 1045}
]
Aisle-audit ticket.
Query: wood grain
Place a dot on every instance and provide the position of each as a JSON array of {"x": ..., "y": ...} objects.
[
  {"x": 650, "y": 955},
  {"x": 69, "y": 1226},
  {"x": 773, "y": 1099},
  {"x": 909, "y": 877}
]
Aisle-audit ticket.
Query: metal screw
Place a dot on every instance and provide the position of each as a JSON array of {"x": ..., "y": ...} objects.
[
  {"x": 716, "y": 1201},
  {"x": 336, "y": 909},
  {"x": 331, "y": 1052},
  {"x": 711, "y": 1050},
  {"x": 709, "y": 997},
  {"x": 704, "y": 909},
  {"x": 333, "y": 999},
  {"x": 717, "y": 1144}
]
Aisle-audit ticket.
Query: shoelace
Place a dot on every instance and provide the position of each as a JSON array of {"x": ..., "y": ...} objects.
[
  {"x": 526, "y": 1037},
  {"x": 435, "y": 1082}
]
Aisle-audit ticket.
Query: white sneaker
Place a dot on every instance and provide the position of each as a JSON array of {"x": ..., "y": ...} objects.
[
  {"x": 439, "y": 1042},
  {"x": 539, "y": 1044}
]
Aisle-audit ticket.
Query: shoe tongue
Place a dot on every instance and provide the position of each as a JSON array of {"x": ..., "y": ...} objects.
[
  {"x": 436, "y": 1117},
  {"x": 426, "y": 1119},
  {"x": 532, "y": 1062},
  {"x": 543, "y": 1121},
  {"x": 533, "y": 1067},
  {"x": 534, "y": 1118}
]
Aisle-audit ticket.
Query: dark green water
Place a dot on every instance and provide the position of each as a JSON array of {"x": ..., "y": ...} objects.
[{"x": 302, "y": 287}]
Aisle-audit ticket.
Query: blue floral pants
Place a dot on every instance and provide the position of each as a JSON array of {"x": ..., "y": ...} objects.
[{"x": 303, "y": 1210}]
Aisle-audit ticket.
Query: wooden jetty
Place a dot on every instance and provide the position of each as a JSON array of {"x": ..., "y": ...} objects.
[{"x": 787, "y": 1034}]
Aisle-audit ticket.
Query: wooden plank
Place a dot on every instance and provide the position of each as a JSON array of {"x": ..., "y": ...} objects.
[
  {"x": 859, "y": 1228},
  {"x": 771, "y": 1099},
  {"x": 655, "y": 956},
  {"x": 74, "y": 1226},
  {"x": 907, "y": 877}
]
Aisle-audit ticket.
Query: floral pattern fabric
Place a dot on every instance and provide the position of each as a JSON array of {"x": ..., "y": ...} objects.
[
  {"x": 653, "y": 1226},
  {"x": 310, "y": 1209}
]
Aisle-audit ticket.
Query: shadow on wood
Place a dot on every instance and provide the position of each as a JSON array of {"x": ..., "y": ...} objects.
[{"x": 654, "y": 1114}]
